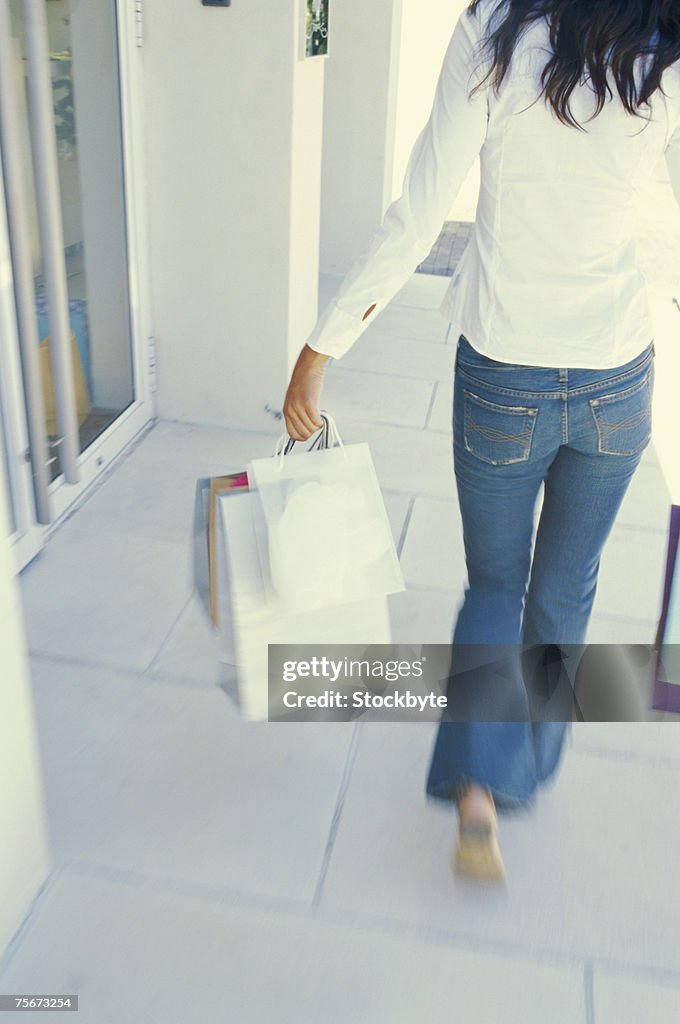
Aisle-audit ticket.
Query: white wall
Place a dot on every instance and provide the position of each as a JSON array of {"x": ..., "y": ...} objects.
[
  {"x": 25, "y": 859},
  {"x": 426, "y": 29},
  {"x": 382, "y": 69},
  {"x": 359, "y": 126},
  {"x": 233, "y": 130}
]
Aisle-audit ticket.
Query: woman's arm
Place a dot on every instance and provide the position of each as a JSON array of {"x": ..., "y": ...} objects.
[
  {"x": 439, "y": 162},
  {"x": 438, "y": 165}
]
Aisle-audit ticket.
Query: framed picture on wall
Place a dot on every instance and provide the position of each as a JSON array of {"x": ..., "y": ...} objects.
[{"x": 315, "y": 28}]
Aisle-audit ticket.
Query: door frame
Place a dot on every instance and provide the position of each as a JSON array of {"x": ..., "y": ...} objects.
[
  {"x": 28, "y": 538},
  {"x": 142, "y": 412},
  {"x": 106, "y": 449}
]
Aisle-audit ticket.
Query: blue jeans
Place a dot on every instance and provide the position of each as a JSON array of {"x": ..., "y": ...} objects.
[{"x": 580, "y": 433}]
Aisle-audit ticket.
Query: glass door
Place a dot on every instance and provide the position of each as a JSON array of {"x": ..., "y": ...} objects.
[
  {"x": 26, "y": 534},
  {"x": 68, "y": 219}
]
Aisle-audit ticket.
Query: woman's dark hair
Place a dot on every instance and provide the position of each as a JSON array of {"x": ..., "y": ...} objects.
[{"x": 595, "y": 38}]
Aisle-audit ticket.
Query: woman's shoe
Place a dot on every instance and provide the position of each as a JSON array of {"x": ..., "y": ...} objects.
[{"x": 478, "y": 854}]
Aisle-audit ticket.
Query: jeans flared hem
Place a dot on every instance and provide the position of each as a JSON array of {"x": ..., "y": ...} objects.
[
  {"x": 446, "y": 781},
  {"x": 450, "y": 792}
]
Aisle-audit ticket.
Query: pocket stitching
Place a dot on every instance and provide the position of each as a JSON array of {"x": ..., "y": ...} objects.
[
  {"x": 595, "y": 403},
  {"x": 526, "y": 438}
]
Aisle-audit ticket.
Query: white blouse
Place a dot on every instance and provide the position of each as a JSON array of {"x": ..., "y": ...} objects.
[{"x": 550, "y": 277}]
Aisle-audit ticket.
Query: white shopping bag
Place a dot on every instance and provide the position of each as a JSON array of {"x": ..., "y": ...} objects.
[
  {"x": 328, "y": 539},
  {"x": 249, "y": 621}
]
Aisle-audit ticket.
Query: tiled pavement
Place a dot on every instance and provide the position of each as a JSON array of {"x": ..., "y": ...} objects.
[
  {"x": 211, "y": 869},
  {"x": 448, "y": 249}
]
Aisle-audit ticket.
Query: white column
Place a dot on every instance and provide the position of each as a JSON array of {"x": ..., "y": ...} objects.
[
  {"x": 25, "y": 860},
  {"x": 426, "y": 29},
  {"x": 305, "y": 185},
  {"x": 233, "y": 135},
  {"x": 359, "y": 126}
]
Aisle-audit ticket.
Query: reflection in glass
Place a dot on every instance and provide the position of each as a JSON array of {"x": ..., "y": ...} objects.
[{"x": 84, "y": 71}]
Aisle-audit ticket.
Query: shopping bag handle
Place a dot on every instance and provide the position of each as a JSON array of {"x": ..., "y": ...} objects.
[{"x": 329, "y": 430}]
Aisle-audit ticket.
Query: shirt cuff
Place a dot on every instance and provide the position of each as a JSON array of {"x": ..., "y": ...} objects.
[{"x": 336, "y": 330}]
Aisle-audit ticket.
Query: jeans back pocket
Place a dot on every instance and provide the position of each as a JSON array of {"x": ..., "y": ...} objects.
[
  {"x": 624, "y": 418},
  {"x": 498, "y": 434}
]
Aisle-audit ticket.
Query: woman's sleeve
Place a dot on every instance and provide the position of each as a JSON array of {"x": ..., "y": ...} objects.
[{"x": 438, "y": 165}]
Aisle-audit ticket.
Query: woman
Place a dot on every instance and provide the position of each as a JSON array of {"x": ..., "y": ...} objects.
[{"x": 570, "y": 104}]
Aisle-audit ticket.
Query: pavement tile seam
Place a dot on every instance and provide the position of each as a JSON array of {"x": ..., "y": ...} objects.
[
  {"x": 444, "y": 498},
  {"x": 405, "y": 527},
  {"x": 474, "y": 943},
  {"x": 292, "y": 910},
  {"x": 201, "y": 892},
  {"x": 189, "y": 427},
  {"x": 167, "y": 678},
  {"x": 31, "y": 920},
  {"x": 588, "y": 993},
  {"x": 591, "y": 970},
  {"x": 393, "y": 425},
  {"x": 217, "y": 428},
  {"x": 337, "y": 813},
  {"x": 602, "y": 617},
  {"x": 585, "y": 750},
  {"x": 432, "y": 381},
  {"x": 591, "y": 967},
  {"x": 428, "y": 588},
  {"x": 434, "y": 588},
  {"x": 433, "y": 399},
  {"x": 470, "y": 942},
  {"x": 168, "y": 635},
  {"x": 661, "y": 978},
  {"x": 163, "y": 678},
  {"x": 389, "y": 423},
  {"x": 635, "y": 528}
]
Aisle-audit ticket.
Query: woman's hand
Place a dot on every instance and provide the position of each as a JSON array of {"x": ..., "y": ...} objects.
[{"x": 301, "y": 404}]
